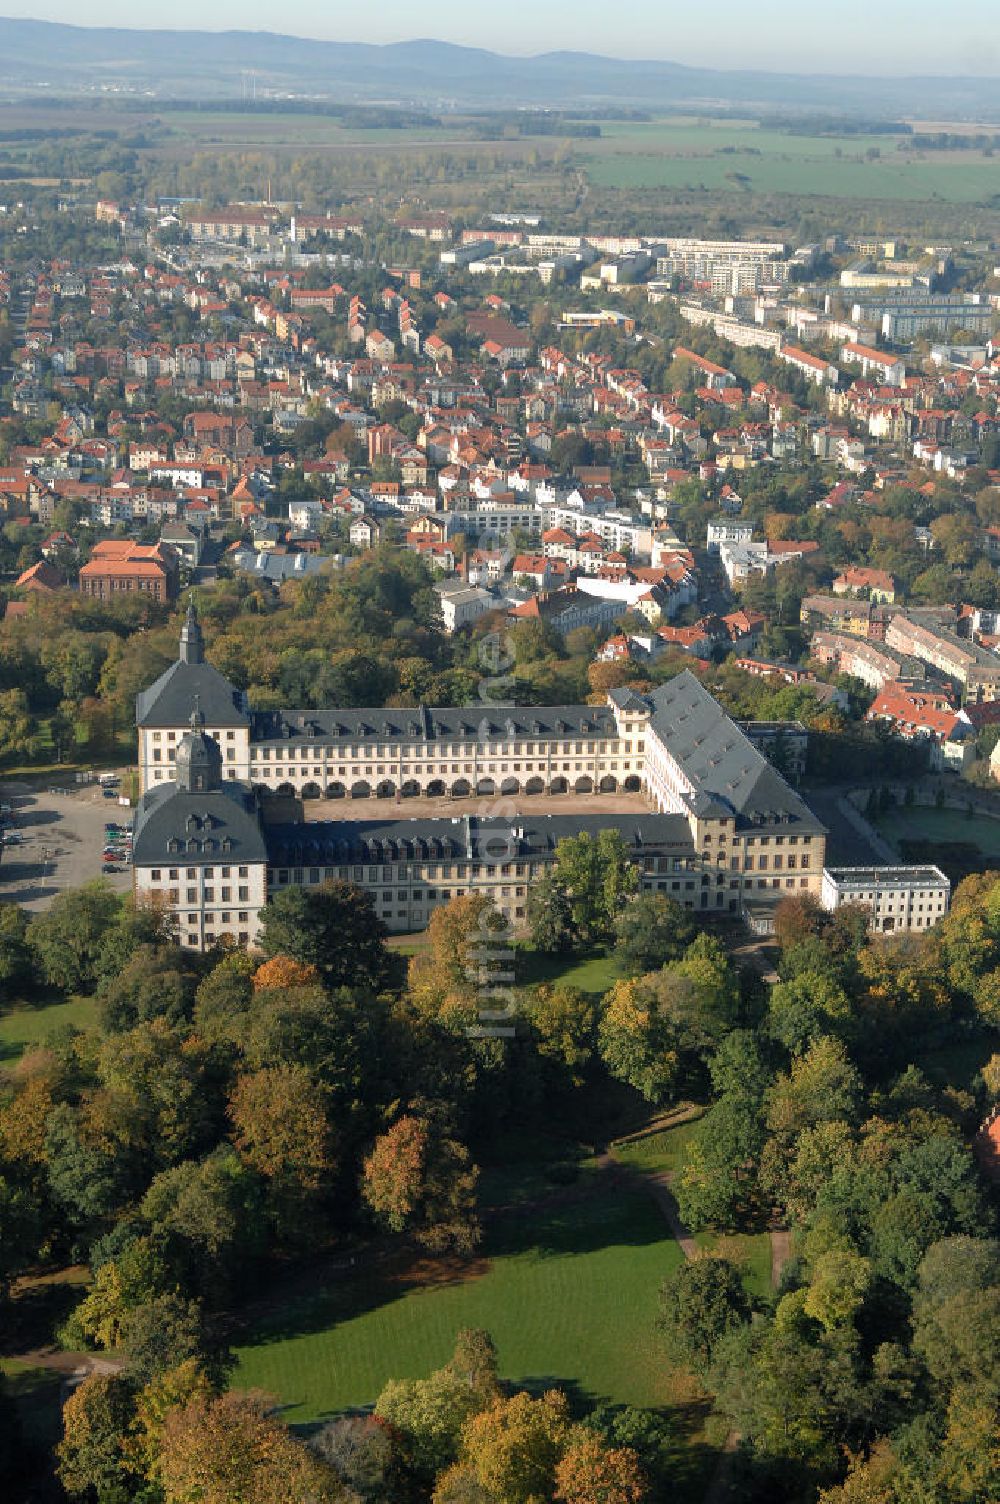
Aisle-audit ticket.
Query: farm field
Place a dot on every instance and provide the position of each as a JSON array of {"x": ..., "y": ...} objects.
[
  {"x": 570, "y": 1298},
  {"x": 735, "y": 158}
]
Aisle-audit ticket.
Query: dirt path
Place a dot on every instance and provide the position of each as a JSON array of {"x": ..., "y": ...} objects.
[
  {"x": 74, "y": 1367},
  {"x": 781, "y": 1247}
]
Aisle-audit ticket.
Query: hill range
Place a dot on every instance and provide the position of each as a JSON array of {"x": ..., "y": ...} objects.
[{"x": 38, "y": 57}]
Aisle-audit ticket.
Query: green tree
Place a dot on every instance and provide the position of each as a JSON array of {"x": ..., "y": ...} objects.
[
  {"x": 429, "y": 1414},
  {"x": 650, "y": 931},
  {"x": 701, "y": 1301},
  {"x": 16, "y": 958},
  {"x": 550, "y": 917},
  {"x": 597, "y": 877},
  {"x": 68, "y": 938},
  {"x": 333, "y": 927}
]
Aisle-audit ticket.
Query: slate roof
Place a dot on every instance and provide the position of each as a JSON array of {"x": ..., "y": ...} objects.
[
  {"x": 420, "y": 724},
  {"x": 730, "y": 776},
  {"x": 333, "y": 842},
  {"x": 170, "y": 699},
  {"x": 220, "y": 825}
]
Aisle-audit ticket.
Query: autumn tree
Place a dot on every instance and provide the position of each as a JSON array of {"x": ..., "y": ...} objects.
[
  {"x": 281, "y": 1130},
  {"x": 418, "y": 1179},
  {"x": 564, "y": 1022},
  {"x": 637, "y": 1042},
  {"x": 464, "y": 955},
  {"x": 216, "y": 1451},
  {"x": 93, "y": 1458},
  {"x": 513, "y": 1447},
  {"x": 591, "y": 1472},
  {"x": 284, "y": 972}
]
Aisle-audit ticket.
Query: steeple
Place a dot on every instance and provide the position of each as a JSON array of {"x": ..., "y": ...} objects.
[{"x": 192, "y": 642}]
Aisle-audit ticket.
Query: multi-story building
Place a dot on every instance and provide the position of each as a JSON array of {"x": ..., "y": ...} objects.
[
  {"x": 975, "y": 669},
  {"x": 900, "y": 898},
  {"x": 725, "y": 828},
  {"x": 199, "y": 846},
  {"x": 118, "y": 565}
]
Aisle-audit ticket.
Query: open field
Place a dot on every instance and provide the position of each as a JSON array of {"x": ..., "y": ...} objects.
[
  {"x": 724, "y": 157},
  {"x": 569, "y": 1297}
]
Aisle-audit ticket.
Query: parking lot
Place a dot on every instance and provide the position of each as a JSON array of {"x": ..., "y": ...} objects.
[{"x": 62, "y": 838}]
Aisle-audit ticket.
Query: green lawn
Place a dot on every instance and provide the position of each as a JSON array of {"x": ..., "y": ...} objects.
[
  {"x": 594, "y": 974},
  {"x": 663, "y": 1150},
  {"x": 919, "y": 823},
  {"x": 751, "y": 1251},
  {"x": 570, "y": 1299},
  {"x": 22, "y": 1026}
]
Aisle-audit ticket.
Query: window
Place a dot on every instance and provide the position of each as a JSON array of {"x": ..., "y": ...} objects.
[{"x": 244, "y": 894}]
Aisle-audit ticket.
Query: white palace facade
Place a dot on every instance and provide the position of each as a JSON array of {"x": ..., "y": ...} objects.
[{"x": 723, "y": 829}]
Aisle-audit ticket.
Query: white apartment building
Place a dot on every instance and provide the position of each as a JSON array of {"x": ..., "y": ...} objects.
[{"x": 900, "y": 898}]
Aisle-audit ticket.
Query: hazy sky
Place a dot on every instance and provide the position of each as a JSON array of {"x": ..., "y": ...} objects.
[{"x": 857, "y": 36}]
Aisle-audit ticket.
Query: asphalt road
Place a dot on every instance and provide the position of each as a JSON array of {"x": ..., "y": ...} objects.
[{"x": 846, "y": 846}]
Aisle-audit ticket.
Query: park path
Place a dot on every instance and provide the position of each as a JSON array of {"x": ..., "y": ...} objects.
[{"x": 659, "y": 1188}]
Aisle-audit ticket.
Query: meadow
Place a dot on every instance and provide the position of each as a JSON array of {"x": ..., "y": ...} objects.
[{"x": 568, "y": 1295}]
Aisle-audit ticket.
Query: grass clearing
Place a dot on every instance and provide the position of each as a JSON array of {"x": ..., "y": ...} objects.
[
  {"x": 594, "y": 974},
  {"x": 22, "y": 1026},
  {"x": 660, "y": 1152},
  {"x": 570, "y": 1298},
  {"x": 750, "y": 1251}
]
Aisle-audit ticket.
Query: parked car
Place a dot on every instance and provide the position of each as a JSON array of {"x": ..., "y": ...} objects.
[
  {"x": 12, "y": 838},
  {"x": 109, "y": 867},
  {"x": 109, "y": 793}
]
